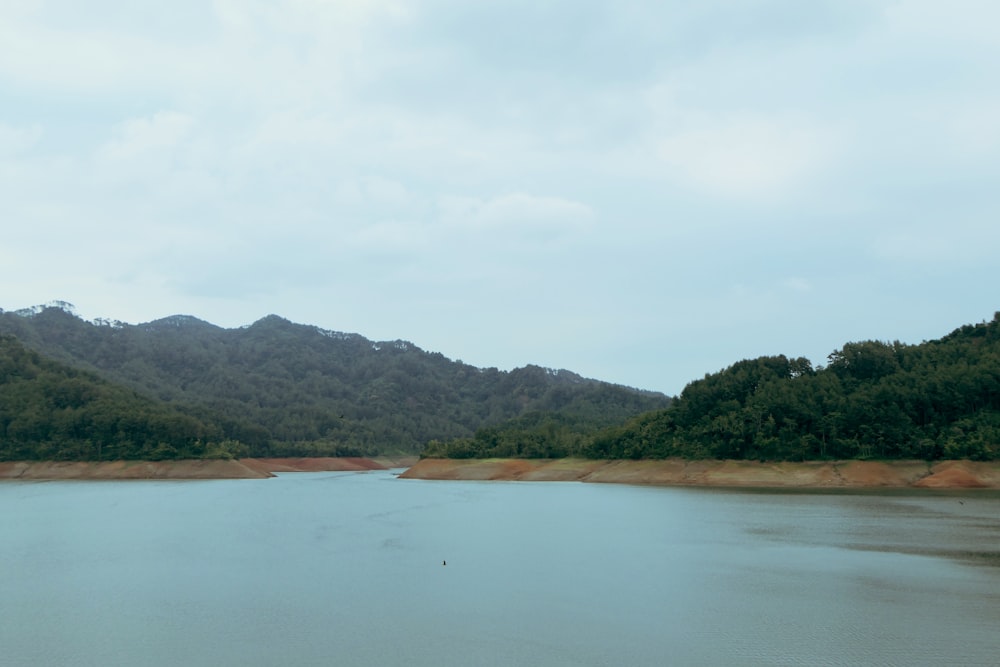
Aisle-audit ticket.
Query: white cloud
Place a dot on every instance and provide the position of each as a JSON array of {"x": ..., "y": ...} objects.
[
  {"x": 517, "y": 212},
  {"x": 960, "y": 22},
  {"x": 973, "y": 128},
  {"x": 798, "y": 285},
  {"x": 392, "y": 236},
  {"x": 384, "y": 165},
  {"x": 753, "y": 158},
  {"x": 950, "y": 244},
  {"x": 141, "y": 138},
  {"x": 18, "y": 140}
]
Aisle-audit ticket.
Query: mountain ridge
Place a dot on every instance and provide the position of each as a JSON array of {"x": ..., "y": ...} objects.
[{"x": 284, "y": 388}]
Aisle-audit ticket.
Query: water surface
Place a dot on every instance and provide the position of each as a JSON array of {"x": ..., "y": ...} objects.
[{"x": 346, "y": 569}]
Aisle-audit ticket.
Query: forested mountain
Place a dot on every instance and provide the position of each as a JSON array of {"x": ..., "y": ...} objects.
[
  {"x": 180, "y": 387},
  {"x": 938, "y": 399},
  {"x": 279, "y": 388},
  {"x": 49, "y": 410}
]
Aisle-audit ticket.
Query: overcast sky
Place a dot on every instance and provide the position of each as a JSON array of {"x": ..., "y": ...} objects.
[{"x": 639, "y": 191}]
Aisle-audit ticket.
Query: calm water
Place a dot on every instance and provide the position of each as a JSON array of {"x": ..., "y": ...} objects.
[{"x": 346, "y": 569}]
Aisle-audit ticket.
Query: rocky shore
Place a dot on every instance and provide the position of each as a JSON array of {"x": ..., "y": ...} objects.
[{"x": 678, "y": 472}]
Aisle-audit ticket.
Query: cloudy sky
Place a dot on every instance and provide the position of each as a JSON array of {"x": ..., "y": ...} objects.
[{"x": 639, "y": 191}]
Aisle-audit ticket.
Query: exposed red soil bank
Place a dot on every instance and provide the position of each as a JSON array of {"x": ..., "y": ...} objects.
[
  {"x": 678, "y": 472},
  {"x": 675, "y": 472},
  {"x": 329, "y": 463},
  {"x": 194, "y": 469},
  {"x": 190, "y": 469}
]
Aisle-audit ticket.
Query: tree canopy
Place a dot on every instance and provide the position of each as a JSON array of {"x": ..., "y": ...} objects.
[
  {"x": 183, "y": 387},
  {"x": 285, "y": 389},
  {"x": 49, "y": 410},
  {"x": 938, "y": 399}
]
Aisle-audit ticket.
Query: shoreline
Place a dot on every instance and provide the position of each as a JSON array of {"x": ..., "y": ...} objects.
[
  {"x": 189, "y": 469},
  {"x": 964, "y": 475},
  {"x": 819, "y": 475}
]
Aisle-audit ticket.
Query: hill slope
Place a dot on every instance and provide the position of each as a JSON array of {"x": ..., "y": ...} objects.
[
  {"x": 936, "y": 400},
  {"x": 49, "y": 410},
  {"x": 282, "y": 388}
]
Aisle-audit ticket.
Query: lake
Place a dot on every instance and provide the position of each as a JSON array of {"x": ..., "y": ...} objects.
[{"x": 347, "y": 569}]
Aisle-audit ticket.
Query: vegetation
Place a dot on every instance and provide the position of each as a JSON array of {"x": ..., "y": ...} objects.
[
  {"x": 939, "y": 399},
  {"x": 51, "y": 411},
  {"x": 277, "y": 388},
  {"x": 180, "y": 387},
  {"x": 535, "y": 435}
]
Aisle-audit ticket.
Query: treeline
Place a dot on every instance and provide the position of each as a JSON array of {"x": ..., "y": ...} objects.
[
  {"x": 939, "y": 399},
  {"x": 535, "y": 435},
  {"x": 180, "y": 387},
  {"x": 283, "y": 389},
  {"x": 51, "y": 411}
]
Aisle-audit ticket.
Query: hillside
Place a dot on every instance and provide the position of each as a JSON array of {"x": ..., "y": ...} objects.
[
  {"x": 49, "y": 410},
  {"x": 874, "y": 400},
  {"x": 285, "y": 389}
]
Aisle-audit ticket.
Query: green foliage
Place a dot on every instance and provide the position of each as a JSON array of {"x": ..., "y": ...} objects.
[
  {"x": 284, "y": 389},
  {"x": 51, "y": 411},
  {"x": 939, "y": 399},
  {"x": 534, "y": 435}
]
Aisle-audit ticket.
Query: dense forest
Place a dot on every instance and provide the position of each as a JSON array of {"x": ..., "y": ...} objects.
[
  {"x": 49, "y": 410},
  {"x": 274, "y": 388},
  {"x": 181, "y": 387},
  {"x": 939, "y": 399}
]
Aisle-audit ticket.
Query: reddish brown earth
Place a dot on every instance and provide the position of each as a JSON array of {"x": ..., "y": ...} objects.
[
  {"x": 678, "y": 472},
  {"x": 962, "y": 475},
  {"x": 194, "y": 469},
  {"x": 191, "y": 469},
  {"x": 329, "y": 463},
  {"x": 670, "y": 472}
]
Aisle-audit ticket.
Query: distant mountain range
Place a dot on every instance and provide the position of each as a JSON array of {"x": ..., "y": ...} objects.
[{"x": 71, "y": 388}]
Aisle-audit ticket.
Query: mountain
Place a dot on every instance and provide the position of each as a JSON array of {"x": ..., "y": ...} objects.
[
  {"x": 874, "y": 400},
  {"x": 50, "y": 410},
  {"x": 281, "y": 388}
]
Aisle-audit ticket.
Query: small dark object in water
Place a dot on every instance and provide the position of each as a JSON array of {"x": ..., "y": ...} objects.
[{"x": 444, "y": 562}]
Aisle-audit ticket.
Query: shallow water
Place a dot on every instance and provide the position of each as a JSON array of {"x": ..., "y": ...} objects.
[{"x": 346, "y": 569}]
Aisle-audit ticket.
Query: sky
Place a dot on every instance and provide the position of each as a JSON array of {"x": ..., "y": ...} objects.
[{"x": 641, "y": 192}]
